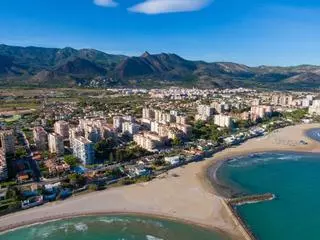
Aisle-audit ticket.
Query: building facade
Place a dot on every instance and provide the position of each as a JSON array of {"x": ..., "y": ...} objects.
[{"x": 55, "y": 143}]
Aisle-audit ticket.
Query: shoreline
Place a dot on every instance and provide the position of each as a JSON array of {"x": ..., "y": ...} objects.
[
  {"x": 169, "y": 197},
  {"x": 109, "y": 214},
  {"x": 227, "y": 192}
]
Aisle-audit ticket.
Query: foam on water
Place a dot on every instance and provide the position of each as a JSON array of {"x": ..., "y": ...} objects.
[
  {"x": 111, "y": 228},
  {"x": 150, "y": 237},
  {"x": 81, "y": 227}
]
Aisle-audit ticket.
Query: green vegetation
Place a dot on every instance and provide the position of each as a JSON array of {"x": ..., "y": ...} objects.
[
  {"x": 7, "y": 184},
  {"x": 208, "y": 131},
  {"x": 129, "y": 181},
  {"x": 21, "y": 152},
  {"x": 296, "y": 115},
  {"x": 105, "y": 149},
  {"x": 77, "y": 180},
  {"x": 176, "y": 142},
  {"x": 244, "y": 124},
  {"x": 12, "y": 119},
  {"x": 159, "y": 163},
  {"x": 71, "y": 160}
]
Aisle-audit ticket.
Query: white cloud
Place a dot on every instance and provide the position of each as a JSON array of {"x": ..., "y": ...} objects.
[
  {"x": 169, "y": 6},
  {"x": 106, "y": 3}
]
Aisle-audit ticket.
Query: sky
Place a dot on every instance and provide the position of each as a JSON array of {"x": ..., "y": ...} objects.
[{"x": 251, "y": 32}]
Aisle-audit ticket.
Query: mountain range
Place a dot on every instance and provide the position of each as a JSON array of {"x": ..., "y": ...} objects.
[{"x": 68, "y": 67}]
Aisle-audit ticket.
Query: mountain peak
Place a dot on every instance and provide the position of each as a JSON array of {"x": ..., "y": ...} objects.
[{"x": 146, "y": 54}]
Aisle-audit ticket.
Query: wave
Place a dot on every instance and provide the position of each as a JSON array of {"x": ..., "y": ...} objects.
[
  {"x": 111, "y": 220},
  {"x": 81, "y": 227},
  {"x": 261, "y": 159},
  {"x": 150, "y": 237}
]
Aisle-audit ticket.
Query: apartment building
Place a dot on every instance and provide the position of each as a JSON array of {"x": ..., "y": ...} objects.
[
  {"x": 62, "y": 128},
  {"x": 55, "y": 142},
  {"x": 7, "y": 141},
  {"x": 83, "y": 149},
  {"x": 223, "y": 120},
  {"x": 40, "y": 138},
  {"x": 130, "y": 128}
]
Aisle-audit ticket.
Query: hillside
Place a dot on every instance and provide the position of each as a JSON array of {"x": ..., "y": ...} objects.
[{"x": 36, "y": 66}]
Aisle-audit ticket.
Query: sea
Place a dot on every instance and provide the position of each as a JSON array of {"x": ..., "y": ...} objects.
[
  {"x": 293, "y": 177},
  {"x": 112, "y": 228}
]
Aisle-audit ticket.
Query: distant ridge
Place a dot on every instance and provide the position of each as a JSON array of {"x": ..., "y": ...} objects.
[{"x": 52, "y": 67}]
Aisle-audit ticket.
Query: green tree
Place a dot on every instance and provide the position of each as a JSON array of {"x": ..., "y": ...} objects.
[
  {"x": 21, "y": 152},
  {"x": 104, "y": 148},
  {"x": 176, "y": 141},
  {"x": 71, "y": 160}
]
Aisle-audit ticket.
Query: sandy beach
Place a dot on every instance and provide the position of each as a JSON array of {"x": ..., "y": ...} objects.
[{"x": 183, "y": 194}]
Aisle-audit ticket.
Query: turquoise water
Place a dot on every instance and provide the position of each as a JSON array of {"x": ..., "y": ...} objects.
[
  {"x": 294, "y": 178},
  {"x": 111, "y": 228}
]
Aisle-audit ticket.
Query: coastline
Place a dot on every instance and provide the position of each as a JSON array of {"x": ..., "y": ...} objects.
[
  {"x": 268, "y": 143},
  {"x": 191, "y": 197},
  {"x": 253, "y": 146}
]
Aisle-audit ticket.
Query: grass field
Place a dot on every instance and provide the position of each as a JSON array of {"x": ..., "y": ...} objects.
[{"x": 14, "y": 118}]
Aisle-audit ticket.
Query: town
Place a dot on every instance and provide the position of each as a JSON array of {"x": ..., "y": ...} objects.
[{"x": 58, "y": 143}]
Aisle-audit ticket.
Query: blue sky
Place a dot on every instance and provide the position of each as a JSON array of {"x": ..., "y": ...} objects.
[{"x": 253, "y": 32}]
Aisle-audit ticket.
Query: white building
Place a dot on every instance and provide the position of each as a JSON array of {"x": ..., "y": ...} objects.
[
  {"x": 204, "y": 112},
  {"x": 73, "y": 134},
  {"x": 7, "y": 142},
  {"x": 260, "y": 111},
  {"x": 55, "y": 142},
  {"x": 181, "y": 119},
  {"x": 3, "y": 166},
  {"x": 130, "y": 128},
  {"x": 147, "y": 113},
  {"x": 223, "y": 120},
  {"x": 117, "y": 123},
  {"x": 148, "y": 141},
  {"x": 93, "y": 134},
  {"x": 315, "y": 108},
  {"x": 306, "y": 102},
  {"x": 62, "y": 128},
  {"x": 40, "y": 138},
  {"x": 83, "y": 149}
]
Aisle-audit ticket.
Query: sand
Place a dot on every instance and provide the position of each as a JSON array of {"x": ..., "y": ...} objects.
[{"x": 183, "y": 194}]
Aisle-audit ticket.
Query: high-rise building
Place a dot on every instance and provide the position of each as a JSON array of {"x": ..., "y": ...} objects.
[
  {"x": 83, "y": 149},
  {"x": 256, "y": 102},
  {"x": 306, "y": 102},
  {"x": 154, "y": 126},
  {"x": 223, "y": 120},
  {"x": 73, "y": 134},
  {"x": 3, "y": 166},
  {"x": 147, "y": 113},
  {"x": 62, "y": 128},
  {"x": 260, "y": 111},
  {"x": 148, "y": 141},
  {"x": 181, "y": 119},
  {"x": 315, "y": 108},
  {"x": 130, "y": 128},
  {"x": 117, "y": 123},
  {"x": 40, "y": 137},
  {"x": 93, "y": 134},
  {"x": 310, "y": 97},
  {"x": 7, "y": 142},
  {"x": 275, "y": 99},
  {"x": 290, "y": 100},
  {"x": 55, "y": 142},
  {"x": 204, "y": 112}
]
